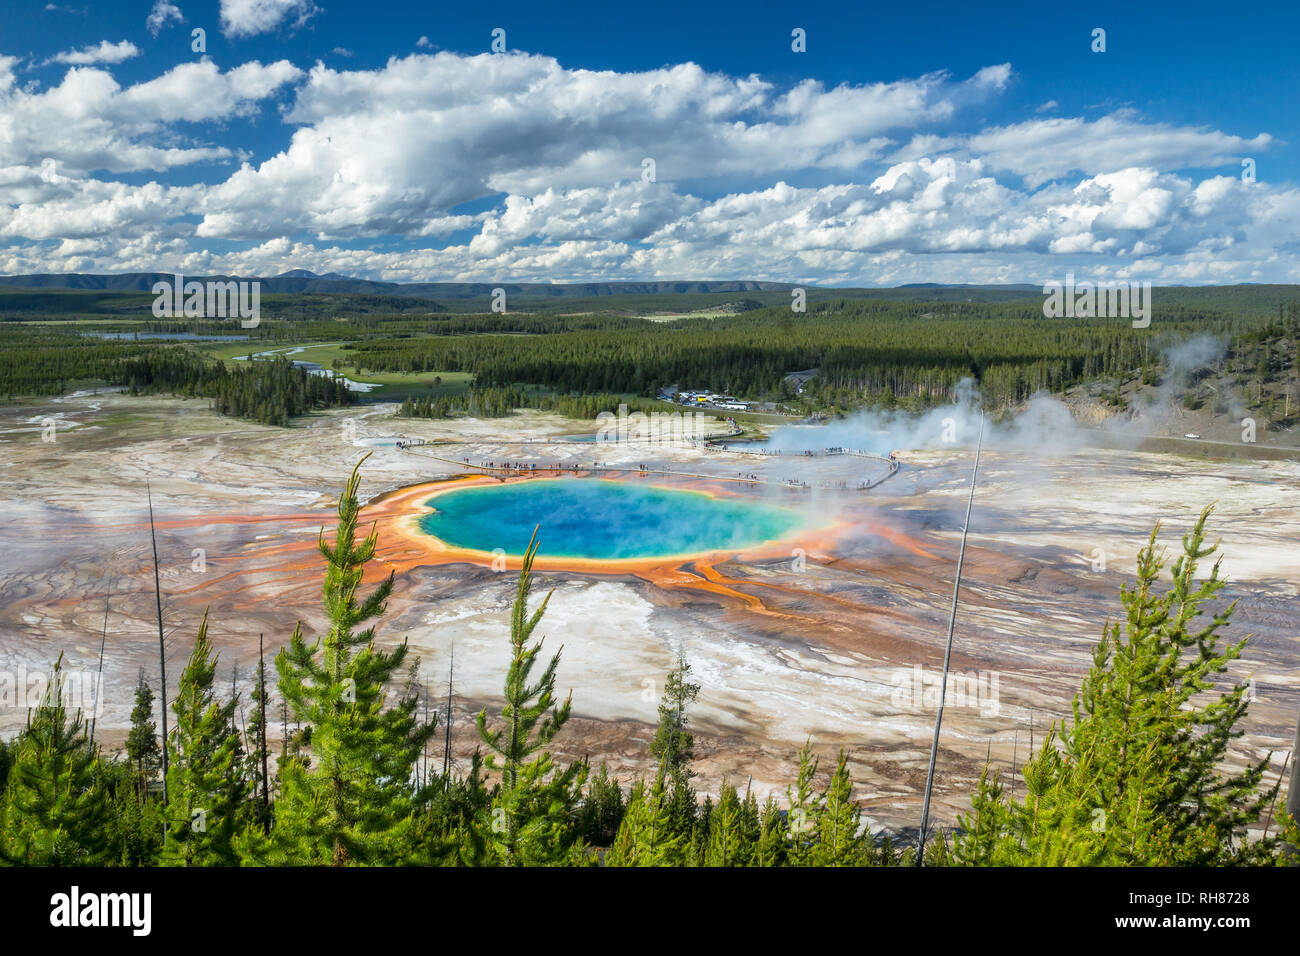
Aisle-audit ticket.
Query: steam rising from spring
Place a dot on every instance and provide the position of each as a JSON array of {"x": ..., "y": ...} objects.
[{"x": 1043, "y": 426}]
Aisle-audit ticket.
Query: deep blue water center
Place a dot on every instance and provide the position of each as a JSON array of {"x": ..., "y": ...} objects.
[{"x": 600, "y": 519}]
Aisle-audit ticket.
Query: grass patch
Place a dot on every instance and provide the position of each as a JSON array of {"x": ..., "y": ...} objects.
[{"x": 392, "y": 386}]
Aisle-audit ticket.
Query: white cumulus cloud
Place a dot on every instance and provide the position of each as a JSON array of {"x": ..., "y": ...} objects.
[
  {"x": 103, "y": 52},
  {"x": 246, "y": 18},
  {"x": 515, "y": 167},
  {"x": 162, "y": 14}
]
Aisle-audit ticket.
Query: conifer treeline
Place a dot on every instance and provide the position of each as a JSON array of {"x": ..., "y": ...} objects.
[
  {"x": 896, "y": 354},
  {"x": 43, "y": 361},
  {"x": 1132, "y": 778},
  {"x": 911, "y": 354},
  {"x": 270, "y": 390},
  {"x": 500, "y": 402}
]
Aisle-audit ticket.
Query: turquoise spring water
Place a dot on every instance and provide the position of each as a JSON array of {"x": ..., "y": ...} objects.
[{"x": 602, "y": 520}]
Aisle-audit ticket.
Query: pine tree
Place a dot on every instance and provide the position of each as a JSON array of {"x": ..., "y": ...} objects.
[
  {"x": 602, "y": 809},
  {"x": 646, "y": 836},
  {"x": 205, "y": 784},
  {"x": 1133, "y": 778},
  {"x": 142, "y": 740},
  {"x": 293, "y": 744},
  {"x": 258, "y": 755},
  {"x": 751, "y": 824},
  {"x": 134, "y": 831},
  {"x": 456, "y": 815},
  {"x": 730, "y": 839},
  {"x": 532, "y": 817},
  {"x": 672, "y": 746},
  {"x": 773, "y": 845},
  {"x": 697, "y": 846},
  {"x": 838, "y": 841},
  {"x": 53, "y": 814},
  {"x": 804, "y": 814},
  {"x": 683, "y": 807},
  {"x": 355, "y": 803}
]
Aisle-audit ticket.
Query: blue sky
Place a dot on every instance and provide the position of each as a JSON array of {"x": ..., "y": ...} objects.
[{"x": 949, "y": 143}]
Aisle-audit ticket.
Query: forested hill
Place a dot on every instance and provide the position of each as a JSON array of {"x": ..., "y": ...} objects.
[
  {"x": 299, "y": 280},
  {"x": 891, "y": 353},
  {"x": 300, "y": 294}
]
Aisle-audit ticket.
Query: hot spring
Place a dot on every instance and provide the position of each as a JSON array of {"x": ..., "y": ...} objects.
[{"x": 602, "y": 520}]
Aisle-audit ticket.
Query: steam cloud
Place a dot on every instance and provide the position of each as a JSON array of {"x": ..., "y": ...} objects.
[{"x": 1045, "y": 425}]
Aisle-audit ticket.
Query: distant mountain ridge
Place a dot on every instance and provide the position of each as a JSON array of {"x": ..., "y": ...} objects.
[
  {"x": 300, "y": 280},
  {"x": 305, "y": 274},
  {"x": 1017, "y": 287},
  {"x": 62, "y": 293}
]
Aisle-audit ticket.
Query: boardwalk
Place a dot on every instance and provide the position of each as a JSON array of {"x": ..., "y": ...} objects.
[{"x": 558, "y": 468}]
